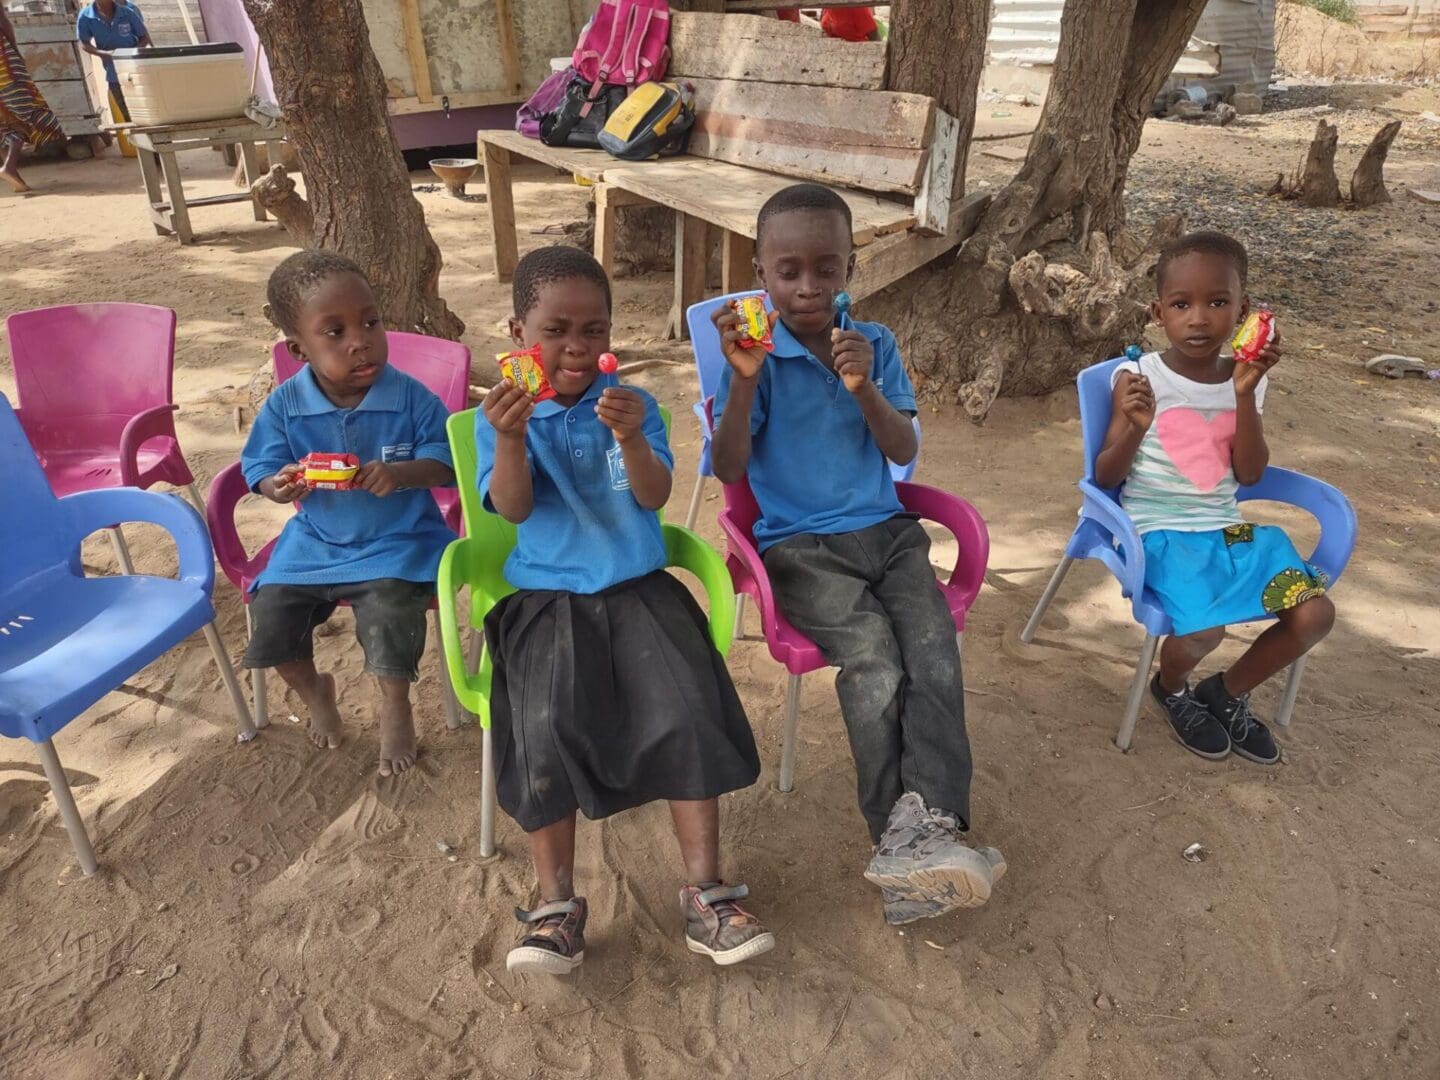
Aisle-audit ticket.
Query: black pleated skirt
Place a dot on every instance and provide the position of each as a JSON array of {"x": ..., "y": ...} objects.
[{"x": 605, "y": 701}]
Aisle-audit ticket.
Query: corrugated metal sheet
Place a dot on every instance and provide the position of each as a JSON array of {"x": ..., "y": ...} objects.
[{"x": 1233, "y": 45}]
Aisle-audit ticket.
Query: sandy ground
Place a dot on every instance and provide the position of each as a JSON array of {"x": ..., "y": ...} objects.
[{"x": 315, "y": 929}]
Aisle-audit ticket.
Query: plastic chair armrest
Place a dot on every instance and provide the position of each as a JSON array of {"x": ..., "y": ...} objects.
[
  {"x": 1102, "y": 509},
  {"x": 963, "y": 522},
  {"x": 457, "y": 569},
  {"x": 102, "y": 508},
  {"x": 687, "y": 551},
  {"x": 1324, "y": 502},
  {"x": 226, "y": 491},
  {"x": 742, "y": 549},
  {"x": 138, "y": 430}
]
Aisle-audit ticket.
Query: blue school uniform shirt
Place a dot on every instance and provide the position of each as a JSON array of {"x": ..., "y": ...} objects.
[
  {"x": 345, "y": 536},
  {"x": 123, "y": 31},
  {"x": 585, "y": 531},
  {"x": 814, "y": 465}
]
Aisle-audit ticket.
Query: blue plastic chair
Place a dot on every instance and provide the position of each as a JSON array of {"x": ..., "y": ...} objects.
[
  {"x": 67, "y": 640},
  {"x": 1106, "y": 533},
  {"x": 709, "y": 366}
]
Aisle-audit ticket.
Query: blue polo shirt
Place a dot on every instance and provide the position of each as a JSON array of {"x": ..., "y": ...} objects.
[
  {"x": 814, "y": 465},
  {"x": 344, "y": 536},
  {"x": 122, "y": 31},
  {"x": 586, "y": 532}
]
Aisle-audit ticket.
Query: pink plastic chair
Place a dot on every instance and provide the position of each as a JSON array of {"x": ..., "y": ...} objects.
[
  {"x": 794, "y": 650},
  {"x": 444, "y": 367},
  {"x": 95, "y": 386}
]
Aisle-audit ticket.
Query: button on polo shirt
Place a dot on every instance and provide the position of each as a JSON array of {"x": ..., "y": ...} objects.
[
  {"x": 585, "y": 531},
  {"x": 344, "y": 536},
  {"x": 814, "y": 465}
]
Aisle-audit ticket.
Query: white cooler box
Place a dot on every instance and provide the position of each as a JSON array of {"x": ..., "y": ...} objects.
[{"x": 183, "y": 83}]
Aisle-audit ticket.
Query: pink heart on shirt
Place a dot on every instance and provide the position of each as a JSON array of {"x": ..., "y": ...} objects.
[{"x": 1200, "y": 448}]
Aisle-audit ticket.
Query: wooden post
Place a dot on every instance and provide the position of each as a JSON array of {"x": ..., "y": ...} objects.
[
  {"x": 501, "y": 203},
  {"x": 1367, "y": 186},
  {"x": 609, "y": 199},
  {"x": 189, "y": 26},
  {"x": 415, "y": 49},
  {"x": 692, "y": 253},
  {"x": 509, "y": 48},
  {"x": 737, "y": 256}
]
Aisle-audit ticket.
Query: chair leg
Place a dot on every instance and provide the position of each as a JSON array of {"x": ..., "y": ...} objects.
[
  {"x": 787, "y": 743},
  {"x": 454, "y": 717},
  {"x": 69, "y": 813},
  {"x": 1046, "y": 597},
  {"x": 960, "y": 643},
  {"x": 1137, "y": 692},
  {"x": 696, "y": 497},
  {"x": 122, "y": 553},
  {"x": 260, "y": 706},
  {"x": 195, "y": 498},
  {"x": 1292, "y": 688},
  {"x": 487, "y": 794},
  {"x": 244, "y": 726},
  {"x": 740, "y": 616}
]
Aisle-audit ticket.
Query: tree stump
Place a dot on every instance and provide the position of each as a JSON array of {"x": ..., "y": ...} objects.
[
  {"x": 1319, "y": 186},
  {"x": 1367, "y": 186}
]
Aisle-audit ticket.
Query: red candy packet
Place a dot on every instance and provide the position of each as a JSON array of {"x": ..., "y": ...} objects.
[
  {"x": 329, "y": 472},
  {"x": 1256, "y": 332},
  {"x": 524, "y": 369},
  {"x": 754, "y": 321}
]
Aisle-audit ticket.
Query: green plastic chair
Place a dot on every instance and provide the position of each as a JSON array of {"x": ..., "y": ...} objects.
[{"x": 478, "y": 560}]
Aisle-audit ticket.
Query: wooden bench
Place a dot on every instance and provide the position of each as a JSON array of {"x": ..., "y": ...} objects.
[{"x": 775, "y": 103}]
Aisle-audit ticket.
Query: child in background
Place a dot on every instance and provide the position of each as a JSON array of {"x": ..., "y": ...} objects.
[
  {"x": 377, "y": 547},
  {"x": 607, "y": 691},
  {"x": 812, "y": 423},
  {"x": 1185, "y": 433}
]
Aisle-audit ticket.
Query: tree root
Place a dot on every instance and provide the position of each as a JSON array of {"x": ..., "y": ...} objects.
[{"x": 275, "y": 191}]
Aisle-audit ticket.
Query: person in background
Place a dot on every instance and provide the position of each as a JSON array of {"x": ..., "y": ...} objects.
[
  {"x": 107, "y": 25},
  {"x": 24, "y": 114},
  {"x": 848, "y": 24}
]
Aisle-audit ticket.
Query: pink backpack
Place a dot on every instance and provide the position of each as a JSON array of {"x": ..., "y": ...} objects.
[{"x": 626, "y": 43}]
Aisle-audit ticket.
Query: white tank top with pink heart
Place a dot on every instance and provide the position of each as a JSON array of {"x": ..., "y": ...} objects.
[{"x": 1182, "y": 477}]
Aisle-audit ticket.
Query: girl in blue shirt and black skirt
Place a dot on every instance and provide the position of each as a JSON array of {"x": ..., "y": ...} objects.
[{"x": 607, "y": 690}]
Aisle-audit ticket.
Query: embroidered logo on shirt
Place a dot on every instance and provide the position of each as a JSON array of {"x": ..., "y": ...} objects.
[
  {"x": 398, "y": 452},
  {"x": 619, "y": 478}
]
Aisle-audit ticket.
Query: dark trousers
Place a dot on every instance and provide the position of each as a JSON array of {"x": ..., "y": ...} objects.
[{"x": 869, "y": 600}]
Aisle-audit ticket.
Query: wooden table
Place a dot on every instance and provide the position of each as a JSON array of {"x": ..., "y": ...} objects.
[{"x": 157, "y": 146}]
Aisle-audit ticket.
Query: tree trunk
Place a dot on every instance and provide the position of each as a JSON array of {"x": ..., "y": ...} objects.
[
  {"x": 1367, "y": 186},
  {"x": 1319, "y": 186},
  {"x": 1049, "y": 281},
  {"x": 332, "y": 94}
]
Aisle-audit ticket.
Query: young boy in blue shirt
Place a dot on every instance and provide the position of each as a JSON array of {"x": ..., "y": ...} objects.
[
  {"x": 107, "y": 25},
  {"x": 376, "y": 547},
  {"x": 812, "y": 424}
]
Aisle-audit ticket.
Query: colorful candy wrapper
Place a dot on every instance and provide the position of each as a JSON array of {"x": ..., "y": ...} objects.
[
  {"x": 754, "y": 321},
  {"x": 1257, "y": 332},
  {"x": 330, "y": 472},
  {"x": 609, "y": 363},
  {"x": 524, "y": 369}
]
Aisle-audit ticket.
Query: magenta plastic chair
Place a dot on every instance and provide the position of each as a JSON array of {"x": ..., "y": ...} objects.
[
  {"x": 797, "y": 653},
  {"x": 444, "y": 367},
  {"x": 95, "y": 390}
]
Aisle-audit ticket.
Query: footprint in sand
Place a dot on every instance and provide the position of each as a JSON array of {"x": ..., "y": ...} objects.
[
  {"x": 358, "y": 921},
  {"x": 246, "y": 864},
  {"x": 318, "y": 1031}
]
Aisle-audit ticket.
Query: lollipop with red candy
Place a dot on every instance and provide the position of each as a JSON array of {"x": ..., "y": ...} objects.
[{"x": 609, "y": 363}]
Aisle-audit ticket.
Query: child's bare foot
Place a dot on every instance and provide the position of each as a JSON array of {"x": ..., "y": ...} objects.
[
  {"x": 397, "y": 736},
  {"x": 11, "y": 177},
  {"x": 325, "y": 721}
]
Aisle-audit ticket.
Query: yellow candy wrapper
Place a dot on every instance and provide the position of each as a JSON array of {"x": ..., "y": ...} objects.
[
  {"x": 524, "y": 369},
  {"x": 754, "y": 321}
]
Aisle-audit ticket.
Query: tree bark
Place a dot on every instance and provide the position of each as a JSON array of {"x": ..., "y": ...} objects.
[
  {"x": 1049, "y": 281},
  {"x": 332, "y": 94},
  {"x": 1367, "y": 186},
  {"x": 1319, "y": 187}
]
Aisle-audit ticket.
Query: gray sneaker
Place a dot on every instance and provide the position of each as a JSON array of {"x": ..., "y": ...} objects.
[
  {"x": 921, "y": 860},
  {"x": 899, "y": 911}
]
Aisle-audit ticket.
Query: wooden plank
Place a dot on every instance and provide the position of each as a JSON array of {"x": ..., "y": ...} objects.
[
  {"x": 730, "y": 196},
  {"x": 1005, "y": 153},
  {"x": 66, "y": 99},
  {"x": 509, "y": 49},
  {"x": 932, "y": 202},
  {"x": 737, "y": 263},
  {"x": 415, "y": 50},
  {"x": 692, "y": 258},
  {"x": 189, "y": 24},
  {"x": 869, "y": 139},
  {"x": 500, "y": 200},
  {"x": 590, "y": 164},
  {"x": 891, "y": 258},
  {"x": 758, "y": 49},
  {"x": 404, "y": 106},
  {"x": 770, "y": 5}
]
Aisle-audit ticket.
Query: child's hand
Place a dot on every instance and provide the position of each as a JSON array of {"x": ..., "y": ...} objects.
[
  {"x": 746, "y": 362},
  {"x": 508, "y": 408},
  {"x": 622, "y": 411},
  {"x": 854, "y": 358},
  {"x": 287, "y": 485},
  {"x": 377, "y": 478},
  {"x": 1247, "y": 376},
  {"x": 1137, "y": 400}
]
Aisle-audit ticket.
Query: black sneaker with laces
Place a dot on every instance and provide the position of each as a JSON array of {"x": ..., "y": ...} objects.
[
  {"x": 1248, "y": 736},
  {"x": 1195, "y": 727}
]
